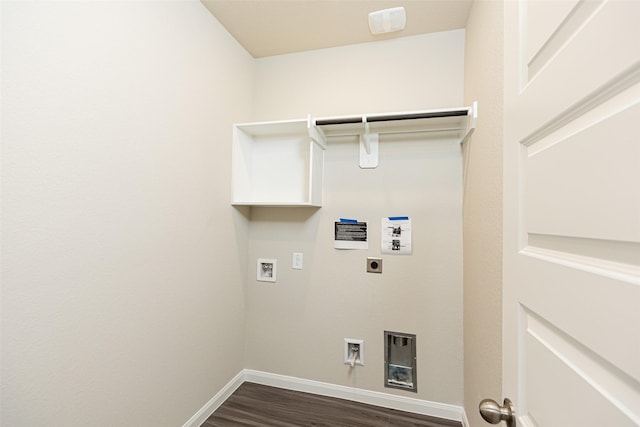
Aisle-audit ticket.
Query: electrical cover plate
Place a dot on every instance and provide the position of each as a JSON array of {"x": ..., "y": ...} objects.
[{"x": 374, "y": 265}]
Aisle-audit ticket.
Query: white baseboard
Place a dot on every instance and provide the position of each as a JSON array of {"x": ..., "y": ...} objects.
[
  {"x": 402, "y": 403},
  {"x": 465, "y": 420},
  {"x": 215, "y": 402},
  {"x": 408, "y": 404}
]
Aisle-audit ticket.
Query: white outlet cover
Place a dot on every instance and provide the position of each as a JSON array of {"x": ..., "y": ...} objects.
[{"x": 297, "y": 260}]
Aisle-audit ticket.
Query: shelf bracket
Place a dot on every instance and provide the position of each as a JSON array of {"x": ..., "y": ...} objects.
[
  {"x": 316, "y": 134},
  {"x": 473, "y": 119},
  {"x": 368, "y": 147}
]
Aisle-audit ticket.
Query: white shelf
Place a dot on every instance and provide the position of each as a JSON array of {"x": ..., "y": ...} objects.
[
  {"x": 454, "y": 122},
  {"x": 281, "y": 163},
  {"x": 276, "y": 164},
  {"x": 457, "y": 120}
]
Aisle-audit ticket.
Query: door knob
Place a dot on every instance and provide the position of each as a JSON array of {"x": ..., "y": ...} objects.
[{"x": 493, "y": 413}]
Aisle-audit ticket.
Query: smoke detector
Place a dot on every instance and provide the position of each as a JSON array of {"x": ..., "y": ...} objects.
[{"x": 387, "y": 20}]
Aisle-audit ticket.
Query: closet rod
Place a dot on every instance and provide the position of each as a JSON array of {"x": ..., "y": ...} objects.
[
  {"x": 391, "y": 117},
  {"x": 414, "y": 116},
  {"x": 340, "y": 121}
]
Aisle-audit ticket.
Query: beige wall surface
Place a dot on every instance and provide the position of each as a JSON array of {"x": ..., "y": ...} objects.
[
  {"x": 122, "y": 262},
  {"x": 296, "y": 326},
  {"x": 408, "y": 73},
  {"x": 124, "y": 268},
  {"x": 483, "y": 211}
]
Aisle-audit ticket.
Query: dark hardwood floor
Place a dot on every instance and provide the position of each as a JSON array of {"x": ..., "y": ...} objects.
[{"x": 258, "y": 405}]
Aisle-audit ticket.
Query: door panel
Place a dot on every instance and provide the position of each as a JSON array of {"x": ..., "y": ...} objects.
[
  {"x": 581, "y": 203},
  {"x": 578, "y": 64},
  {"x": 554, "y": 357},
  {"x": 543, "y": 19},
  {"x": 571, "y": 299}
]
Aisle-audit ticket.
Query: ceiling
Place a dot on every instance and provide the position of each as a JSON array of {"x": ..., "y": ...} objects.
[{"x": 275, "y": 27}]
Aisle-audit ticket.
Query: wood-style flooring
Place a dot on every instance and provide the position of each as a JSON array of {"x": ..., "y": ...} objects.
[{"x": 258, "y": 405}]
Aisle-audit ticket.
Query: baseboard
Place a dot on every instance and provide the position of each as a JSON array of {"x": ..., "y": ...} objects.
[
  {"x": 408, "y": 404},
  {"x": 215, "y": 402},
  {"x": 465, "y": 420},
  {"x": 402, "y": 403}
]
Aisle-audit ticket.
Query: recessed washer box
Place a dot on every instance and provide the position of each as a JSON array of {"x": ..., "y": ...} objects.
[{"x": 400, "y": 370}]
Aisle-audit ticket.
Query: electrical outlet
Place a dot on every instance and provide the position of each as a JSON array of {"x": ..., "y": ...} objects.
[
  {"x": 374, "y": 265},
  {"x": 353, "y": 352},
  {"x": 296, "y": 263}
]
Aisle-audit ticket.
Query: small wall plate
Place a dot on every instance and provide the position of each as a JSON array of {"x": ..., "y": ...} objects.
[
  {"x": 348, "y": 344},
  {"x": 374, "y": 265},
  {"x": 266, "y": 270}
]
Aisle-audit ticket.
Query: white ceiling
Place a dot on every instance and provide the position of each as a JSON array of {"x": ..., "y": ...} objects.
[{"x": 275, "y": 27}]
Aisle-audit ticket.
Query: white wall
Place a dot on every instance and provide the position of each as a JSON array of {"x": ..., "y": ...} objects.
[
  {"x": 122, "y": 262},
  {"x": 391, "y": 75},
  {"x": 483, "y": 210},
  {"x": 297, "y": 325}
]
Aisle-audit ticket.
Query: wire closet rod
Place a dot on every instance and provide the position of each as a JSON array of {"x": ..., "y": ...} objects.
[{"x": 391, "y": 117}]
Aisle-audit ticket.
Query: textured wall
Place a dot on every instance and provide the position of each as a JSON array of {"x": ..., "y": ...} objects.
[
  {"x": 483, "y": 211},
  {"x": 122, "y": 261},
  {"x": 297, "y": 325}
]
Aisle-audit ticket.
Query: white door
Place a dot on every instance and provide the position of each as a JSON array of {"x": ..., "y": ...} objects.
[{"x": 571, "y": 313}]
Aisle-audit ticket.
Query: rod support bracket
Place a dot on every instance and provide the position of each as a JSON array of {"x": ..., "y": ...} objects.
[
  {"x": 369, "y": 150},
  {"x": 368, "y": 147}
]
